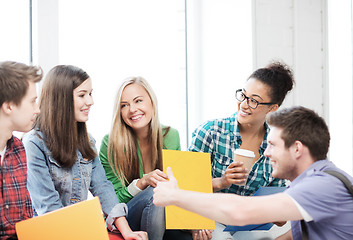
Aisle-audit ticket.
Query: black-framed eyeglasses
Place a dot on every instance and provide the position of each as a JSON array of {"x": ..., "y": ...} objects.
[{"x": 252, "y": 103}]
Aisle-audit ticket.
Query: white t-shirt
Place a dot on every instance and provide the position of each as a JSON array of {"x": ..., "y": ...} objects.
[{"x": 2, "y": 153}]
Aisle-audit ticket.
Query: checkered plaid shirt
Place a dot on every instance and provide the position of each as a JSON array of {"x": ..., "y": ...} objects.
[
  {"x": 220, "y": 138},
  {"x": 15, "y": 202}
]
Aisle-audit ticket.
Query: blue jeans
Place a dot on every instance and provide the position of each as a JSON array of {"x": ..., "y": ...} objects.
[{"x": 143, "y": 215}]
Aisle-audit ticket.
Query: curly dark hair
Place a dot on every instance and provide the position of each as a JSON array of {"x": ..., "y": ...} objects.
[{"x": 279, "y": 77}]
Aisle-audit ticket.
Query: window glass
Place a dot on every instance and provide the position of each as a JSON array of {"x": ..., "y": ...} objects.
[
  {"x": 113, "y": 40},
  {"x": 220, "y": 57},
  {"x": 15, "y": 30}
]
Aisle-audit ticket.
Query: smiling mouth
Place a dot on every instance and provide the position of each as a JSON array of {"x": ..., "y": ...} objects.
[
  {"x": 85, "y": 112},
  {"x": 243, "y": 113},
  {"x": 137, "y": 117}
]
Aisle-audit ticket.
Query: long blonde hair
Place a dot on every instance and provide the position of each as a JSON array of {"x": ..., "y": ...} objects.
[{"x": 122, "y": 145}]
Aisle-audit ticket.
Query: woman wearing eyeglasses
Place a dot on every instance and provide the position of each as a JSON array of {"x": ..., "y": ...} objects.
[{"x": 264, "y": 92}]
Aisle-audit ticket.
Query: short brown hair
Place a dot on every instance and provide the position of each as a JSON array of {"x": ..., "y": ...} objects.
[
  {"x": 304, "y": 125},
  {"x": 14, "y": 79}
]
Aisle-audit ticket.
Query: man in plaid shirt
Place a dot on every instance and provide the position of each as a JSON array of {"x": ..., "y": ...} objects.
[{"x": 18, "y": 109}]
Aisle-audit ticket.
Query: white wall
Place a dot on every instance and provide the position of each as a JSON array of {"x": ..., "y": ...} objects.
[
  {"x": 294, "y": 31},
  {"x": 219, "y": 57},
  {"x": 224, "y": 47},
  {"x": 314, "y": 37},
  {"x": 113, "y": 40},
  {"x": 45, "y": 33},
  {"x": 340, "y": 84},
  {"x": 14, "y": 27}
]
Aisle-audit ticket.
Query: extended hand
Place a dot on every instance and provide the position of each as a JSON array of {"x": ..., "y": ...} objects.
[{"x": 163, "y": 193}]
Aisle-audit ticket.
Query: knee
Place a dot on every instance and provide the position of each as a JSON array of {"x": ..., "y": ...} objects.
[
  {"x": 148, "y": 195},
  {"x": 149, "y": 191}
]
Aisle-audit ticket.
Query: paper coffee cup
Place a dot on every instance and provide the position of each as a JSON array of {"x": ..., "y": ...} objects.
[{"x": 245, "y": 156}]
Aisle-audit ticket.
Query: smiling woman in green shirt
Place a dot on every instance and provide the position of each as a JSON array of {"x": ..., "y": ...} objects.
[
  {"x": 170, "y": 141},
  {"x": 132, "y": 154}
]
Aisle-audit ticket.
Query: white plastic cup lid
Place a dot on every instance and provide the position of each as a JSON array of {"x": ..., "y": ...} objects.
[{"x": 245, "y": 153}]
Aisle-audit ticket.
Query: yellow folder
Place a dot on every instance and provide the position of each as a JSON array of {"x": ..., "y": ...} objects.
[
  {"x": 83, "y": 220},
  {"x": 193, "y": 172}
]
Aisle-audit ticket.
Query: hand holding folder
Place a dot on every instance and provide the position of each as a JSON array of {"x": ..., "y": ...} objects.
[{"x": 193, "y": 172}]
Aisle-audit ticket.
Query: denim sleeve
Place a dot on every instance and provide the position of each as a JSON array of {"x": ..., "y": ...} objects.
[
  {"x": 104, "y": 189},
  {"x": 39, "y": 181}
]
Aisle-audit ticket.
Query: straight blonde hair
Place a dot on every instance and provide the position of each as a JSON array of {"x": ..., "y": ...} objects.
[{"x": 122, "y": 145}]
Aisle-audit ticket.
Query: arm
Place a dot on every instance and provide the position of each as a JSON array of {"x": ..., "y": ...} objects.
[
  {"x": 170, "y": 141},
  {"x": 202, "y": 141},
  {"x": 125, "y": 230},
  {"x": 286, "y": 236},
  {"x": 120, "y": 190},
  {"x": 116, "y": 212},
  {"x": 103, "y": 188},
  {"x": 227, "y": 208},
  {"x": 45, "y": 198}
]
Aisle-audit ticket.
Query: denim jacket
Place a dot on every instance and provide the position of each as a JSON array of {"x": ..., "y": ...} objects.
[{"x": 52, "y": 187}]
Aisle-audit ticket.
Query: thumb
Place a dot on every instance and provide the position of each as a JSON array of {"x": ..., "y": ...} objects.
[
  {"x": 171, "y": 177},
  {"x": 170, "y": 173}
]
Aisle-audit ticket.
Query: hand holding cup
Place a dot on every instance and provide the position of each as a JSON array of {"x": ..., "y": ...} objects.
[
  {"x": 247, "y": 158},
  {"x": 237, "y": 171}
]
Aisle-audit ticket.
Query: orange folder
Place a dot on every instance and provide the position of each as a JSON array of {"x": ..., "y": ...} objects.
[
  {"x": 83, "y": 220},
  {"x": 193, "y": 172}
]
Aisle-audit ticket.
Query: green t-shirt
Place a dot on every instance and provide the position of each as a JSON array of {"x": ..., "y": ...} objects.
[{"x": 170, "y": 141}]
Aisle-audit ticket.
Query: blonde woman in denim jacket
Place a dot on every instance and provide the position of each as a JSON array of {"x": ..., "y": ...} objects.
[{"x": 62, "y": 161}]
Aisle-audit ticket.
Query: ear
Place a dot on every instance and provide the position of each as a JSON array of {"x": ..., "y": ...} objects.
[
  {"x": 297, "y": 149},
  {"x": 273, "y": 108},
  {"x": 7, "y": 107}
]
